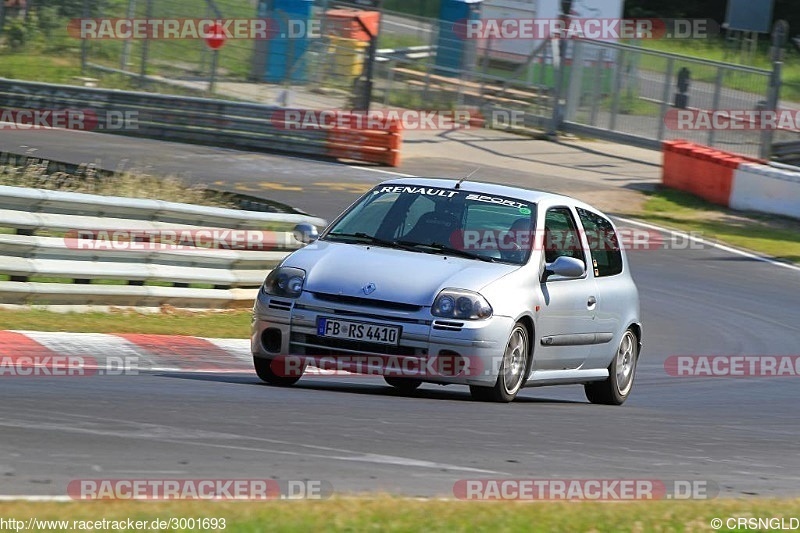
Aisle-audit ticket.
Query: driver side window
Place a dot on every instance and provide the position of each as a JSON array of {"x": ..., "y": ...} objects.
[{"x": 561, "y": 237}]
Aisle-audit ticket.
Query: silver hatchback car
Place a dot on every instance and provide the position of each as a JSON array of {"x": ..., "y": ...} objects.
[{"x": 456, "y": 282}]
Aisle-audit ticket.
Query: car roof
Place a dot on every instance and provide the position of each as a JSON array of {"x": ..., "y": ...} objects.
[{"x": 481, "y": 187}]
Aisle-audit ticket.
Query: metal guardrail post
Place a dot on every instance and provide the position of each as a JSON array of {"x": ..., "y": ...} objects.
[
  {"x": 773, "y": 96},
  {"x": 665, "y": 98}
]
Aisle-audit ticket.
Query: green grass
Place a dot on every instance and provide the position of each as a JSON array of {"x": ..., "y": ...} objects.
[
  {"x": 771, "y": 235},
  {"x": 390, "y": 40},
  {"x": 403, "y": 515},
  {"x": 221, "y": 324},
  {"x": 419, "y": 8}
]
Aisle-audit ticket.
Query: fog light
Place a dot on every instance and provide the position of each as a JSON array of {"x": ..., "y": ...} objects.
[{"x": 271, "y": 340}]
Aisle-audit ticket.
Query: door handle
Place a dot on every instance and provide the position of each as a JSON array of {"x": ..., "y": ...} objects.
[{"x": 591, "y": 302}]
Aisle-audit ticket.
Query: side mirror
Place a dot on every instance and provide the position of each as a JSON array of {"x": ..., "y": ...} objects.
[
  {"x": 565, "y": 267},
  {"x": 305, "y": 233}
]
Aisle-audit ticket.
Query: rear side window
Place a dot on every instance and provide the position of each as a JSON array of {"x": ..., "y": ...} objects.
[{"x": 603, "y": 243}]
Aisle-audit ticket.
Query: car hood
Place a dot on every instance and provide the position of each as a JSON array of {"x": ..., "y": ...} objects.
[{"x": 397, "y": 275}]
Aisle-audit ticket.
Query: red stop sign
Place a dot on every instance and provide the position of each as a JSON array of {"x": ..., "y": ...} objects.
[{"x": 215, "y": 37}]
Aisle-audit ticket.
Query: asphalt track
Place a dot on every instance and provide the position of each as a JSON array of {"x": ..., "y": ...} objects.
[
  {"x": 739, "y": 433},
  {"x": 319, "y": 187}
]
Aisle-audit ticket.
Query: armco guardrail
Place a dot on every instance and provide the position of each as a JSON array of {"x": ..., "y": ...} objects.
[
  {"x": 205, "y": 121},
  {"x": 731, "y": 180},
  {"x": 112, "y": 251}
]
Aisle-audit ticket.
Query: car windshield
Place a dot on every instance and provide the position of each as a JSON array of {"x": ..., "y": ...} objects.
[{"x": 440, "y": 221}]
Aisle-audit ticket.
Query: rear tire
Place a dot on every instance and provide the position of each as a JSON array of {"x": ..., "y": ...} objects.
[
  {"x": 266, "y": 372},
  {"x": 513, "y": 369},
  {"x": 617, "y": 387},
  {"x": 403, "y": 384}
]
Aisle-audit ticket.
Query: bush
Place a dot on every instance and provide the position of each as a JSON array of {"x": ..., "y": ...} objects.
[
  {"x": 48, "y": 20},
  {"x": 16, "y": 35}
]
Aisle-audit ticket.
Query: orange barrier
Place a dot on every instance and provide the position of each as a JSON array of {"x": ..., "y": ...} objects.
[
  {"x": 373, "y": 146},
  {"x": 350, "y": 23},
  {"x": 700, "y": 170}
]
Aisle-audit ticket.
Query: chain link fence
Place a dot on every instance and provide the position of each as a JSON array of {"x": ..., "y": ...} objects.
[
  {"x": 657, "y": 96},
  {"x": 320, "y": 55}
]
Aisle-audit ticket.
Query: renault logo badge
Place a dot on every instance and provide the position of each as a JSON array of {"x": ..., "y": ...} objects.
[{"x": 369, "y": 288}]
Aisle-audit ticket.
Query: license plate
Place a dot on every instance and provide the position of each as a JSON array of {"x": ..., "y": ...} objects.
[{"x": 358, "y": 331}]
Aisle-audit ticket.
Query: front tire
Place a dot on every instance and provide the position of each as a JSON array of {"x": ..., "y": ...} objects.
[
  {"x": 266, "y": 372},
  {"x": 617, "y": 387},
  {"x": 513, "y": 369}
]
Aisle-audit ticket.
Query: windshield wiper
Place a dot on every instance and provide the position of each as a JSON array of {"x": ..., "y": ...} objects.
[
  {"x": 371, "y": 239},
  {"x": 449, "y": 250}
]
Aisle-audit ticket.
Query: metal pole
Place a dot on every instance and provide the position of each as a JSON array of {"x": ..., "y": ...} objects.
[
  {"x": 145, "y": 45},
  {"x": 558, "y": 83},
  {"x": 665, "y": 97},
  {"x": 575, "y": 87},
  {"x": 126, "y": 46},
  {"x": 715, "y": 102},
  {"x": 773, "y": 95},
  {"x": 320, "y": 74},
  {"x": 390, "y": 82},
  {"x": 558, "y": 111},
  {"x": 84, "y": 42},
  {"x": 212, "y": 80},
  {"x": 620, "y": 66},
  {"x": 596, "y": 85}
]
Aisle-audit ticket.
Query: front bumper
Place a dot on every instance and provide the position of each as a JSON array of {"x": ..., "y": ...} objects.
[{"x": 284, "y": 327}]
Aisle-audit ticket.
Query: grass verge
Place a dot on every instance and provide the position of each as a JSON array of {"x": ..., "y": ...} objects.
[
  {"x": 769, "y": 235},
  {"x": 401, "y": 515},
  {"x": 218, "y": 324},
  {"x": 22, "y": 171}
]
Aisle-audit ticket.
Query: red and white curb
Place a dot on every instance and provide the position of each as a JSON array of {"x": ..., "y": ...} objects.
[{"x": 153, "y": 353}]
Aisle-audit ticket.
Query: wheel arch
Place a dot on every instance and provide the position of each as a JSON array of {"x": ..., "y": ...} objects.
[
  {"x": 636, "y": 327},
  {"x": 527, "y": 321}
]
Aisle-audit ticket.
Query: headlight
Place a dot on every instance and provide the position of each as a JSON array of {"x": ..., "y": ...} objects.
[
  {"x": 453, "y": 303},
  {"x": 284, "y": 281}
]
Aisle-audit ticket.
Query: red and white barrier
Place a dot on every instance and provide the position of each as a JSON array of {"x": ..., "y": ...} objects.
[
  {"x": 729, "y": 179},
  {"x": 766, "y": 189}
]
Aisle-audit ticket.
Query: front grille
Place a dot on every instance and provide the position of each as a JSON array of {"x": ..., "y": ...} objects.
[
  {"x": 366, "y": 302},
  {"x": 447, "y": 325},
  {"x": 315, "y": 345},
  {"x": 280, "y": 304}
]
